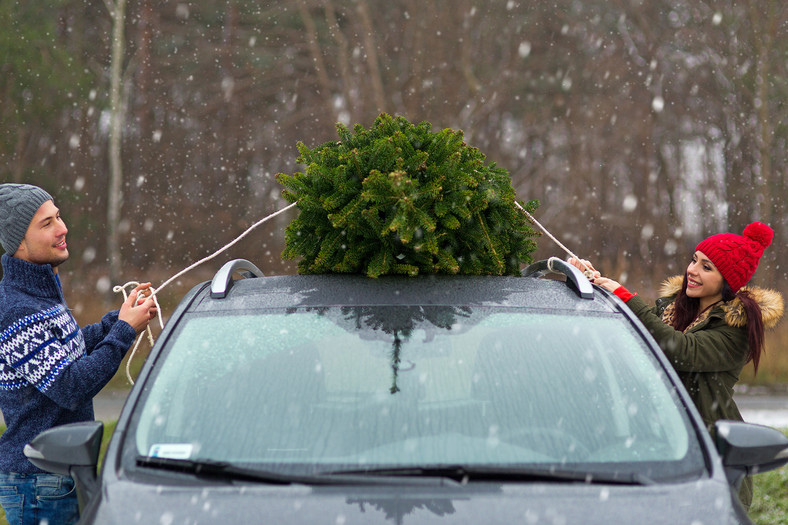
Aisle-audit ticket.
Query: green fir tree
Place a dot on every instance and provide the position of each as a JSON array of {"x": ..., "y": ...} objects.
[{"x": 399, "y": 198}]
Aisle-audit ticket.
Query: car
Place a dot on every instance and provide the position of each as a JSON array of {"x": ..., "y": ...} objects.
[{"x": 345, "y": 399}]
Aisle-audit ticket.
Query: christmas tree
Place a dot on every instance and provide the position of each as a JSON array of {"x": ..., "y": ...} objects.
[{"x": 399, "y": 198}]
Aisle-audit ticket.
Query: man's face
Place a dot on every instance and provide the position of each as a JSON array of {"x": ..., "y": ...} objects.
[{"x": 45, "y": 238}]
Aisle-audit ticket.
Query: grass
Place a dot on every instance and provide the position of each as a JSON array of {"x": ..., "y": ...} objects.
[{"x": 770, "y": 503}]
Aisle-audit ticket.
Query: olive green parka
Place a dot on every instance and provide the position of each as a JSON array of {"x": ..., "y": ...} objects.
[{"x": 710, "y": 356}]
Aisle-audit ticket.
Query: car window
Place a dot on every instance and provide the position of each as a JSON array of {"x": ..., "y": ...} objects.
[{"x": 309, "y": 389}]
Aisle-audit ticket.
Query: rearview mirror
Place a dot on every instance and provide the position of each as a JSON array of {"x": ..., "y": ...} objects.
[{"x": 748, "y": 449}]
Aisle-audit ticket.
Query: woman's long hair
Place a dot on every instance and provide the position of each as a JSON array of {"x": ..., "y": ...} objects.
[{"x": 686, "y": 310}]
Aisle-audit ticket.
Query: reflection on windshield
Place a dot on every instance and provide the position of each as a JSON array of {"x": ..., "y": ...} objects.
[
  {"x": 354, "y": 388},
  {"x": 397, "y": 324},
  {"x": 395, "y": 509}
]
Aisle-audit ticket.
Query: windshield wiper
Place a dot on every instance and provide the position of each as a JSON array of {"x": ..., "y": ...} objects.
[
  {"x": 464, "y": 473},
  {"x": 223, "y": 470}
]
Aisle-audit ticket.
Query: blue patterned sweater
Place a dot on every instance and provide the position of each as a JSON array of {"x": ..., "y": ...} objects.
[{"x": 50, "y": 369}]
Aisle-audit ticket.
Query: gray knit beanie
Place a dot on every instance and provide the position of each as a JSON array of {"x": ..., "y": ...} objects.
[{"x": 18, "y": 204}]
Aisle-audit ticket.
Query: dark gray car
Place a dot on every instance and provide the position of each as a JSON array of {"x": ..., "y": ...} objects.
[{"x": 344, "y": 399}]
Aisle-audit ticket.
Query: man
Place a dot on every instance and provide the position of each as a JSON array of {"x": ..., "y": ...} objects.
[{"x": 50, "y": 369}]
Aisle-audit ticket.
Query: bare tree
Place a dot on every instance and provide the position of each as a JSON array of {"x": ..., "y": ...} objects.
[{"x": 117, "y": 11}]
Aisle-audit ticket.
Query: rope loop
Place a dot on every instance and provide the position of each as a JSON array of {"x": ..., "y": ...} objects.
[{"x": 118, "y": 289}]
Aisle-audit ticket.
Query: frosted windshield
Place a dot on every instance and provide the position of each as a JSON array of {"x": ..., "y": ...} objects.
[{"x": 358, "y": 387}]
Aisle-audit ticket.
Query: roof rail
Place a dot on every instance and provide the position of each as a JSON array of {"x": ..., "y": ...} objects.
[
  {"x": 223, "y": 280},
  {"x": 574, "y": 277}
]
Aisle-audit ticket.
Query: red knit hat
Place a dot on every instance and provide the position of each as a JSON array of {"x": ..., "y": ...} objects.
[{"x": 736, "y": 256}]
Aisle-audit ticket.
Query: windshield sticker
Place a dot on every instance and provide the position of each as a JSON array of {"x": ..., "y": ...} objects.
[{"x": 171, "y": 450}]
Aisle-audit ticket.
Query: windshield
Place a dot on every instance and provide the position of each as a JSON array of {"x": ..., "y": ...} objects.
[{"x": 317, "y": 390}]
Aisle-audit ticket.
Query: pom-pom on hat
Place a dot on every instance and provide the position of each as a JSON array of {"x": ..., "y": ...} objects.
[
  {"x": 18, "y": 204},
  {"x": 737, "y": 256}
]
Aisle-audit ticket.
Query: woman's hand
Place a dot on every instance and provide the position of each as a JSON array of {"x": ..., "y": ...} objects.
[
  {"x": 608, "y": 284},
  {"x": 596, "y": 277},
  {"x": 139, "y": 308},
  {"x": 585, "y": 266}
]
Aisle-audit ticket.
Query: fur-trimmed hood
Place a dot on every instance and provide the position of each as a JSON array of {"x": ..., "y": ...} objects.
[{"x": 770, "y": 301}]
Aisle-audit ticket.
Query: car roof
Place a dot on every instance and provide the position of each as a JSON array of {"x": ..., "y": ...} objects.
[{"x": 292, "y": 291}]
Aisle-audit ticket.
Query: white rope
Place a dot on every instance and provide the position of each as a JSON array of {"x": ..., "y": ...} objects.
[
  {"x": 225, "y": 247},
  {"x": 589, "y": 273},
  {"x": 117, "y": 289},
  {"x": 155, "y": 291}
]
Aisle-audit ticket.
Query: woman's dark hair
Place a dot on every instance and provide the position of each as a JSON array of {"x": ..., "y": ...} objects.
[{"x": 686, "y": 310}]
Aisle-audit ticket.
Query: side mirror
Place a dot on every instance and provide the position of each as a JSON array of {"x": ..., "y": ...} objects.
[
  {"x": 748, "y": 449},
  {"x": 70, "y": 450}
]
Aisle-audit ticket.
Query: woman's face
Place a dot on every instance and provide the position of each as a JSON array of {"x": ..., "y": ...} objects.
[{"x": 704, "y": 280}]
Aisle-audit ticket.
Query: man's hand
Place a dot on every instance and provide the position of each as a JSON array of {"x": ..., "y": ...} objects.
[{"x": 139, "y": 308}]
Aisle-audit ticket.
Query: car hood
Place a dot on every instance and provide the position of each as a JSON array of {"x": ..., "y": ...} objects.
[{"x": 490, "y": 503}]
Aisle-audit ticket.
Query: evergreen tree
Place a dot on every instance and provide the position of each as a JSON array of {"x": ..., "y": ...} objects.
[{"x": 401, "y": 199}]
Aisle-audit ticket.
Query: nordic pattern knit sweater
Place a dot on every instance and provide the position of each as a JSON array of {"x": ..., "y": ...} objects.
[{"x": 50, "y": 369}]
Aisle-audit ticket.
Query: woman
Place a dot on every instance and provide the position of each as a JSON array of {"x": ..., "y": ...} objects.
[{"x": 709, "y": 324}]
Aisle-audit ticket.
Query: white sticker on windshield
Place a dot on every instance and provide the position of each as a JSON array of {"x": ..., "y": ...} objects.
[{"x": 171, "y": 450}]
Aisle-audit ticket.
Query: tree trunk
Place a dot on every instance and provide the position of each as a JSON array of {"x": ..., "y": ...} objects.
[
  {"x": 372, "y": 56},
  {"x": 115, "y": 197}
]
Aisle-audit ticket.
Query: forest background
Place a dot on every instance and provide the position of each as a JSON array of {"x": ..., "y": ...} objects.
[{"x": 641, "y": 126}]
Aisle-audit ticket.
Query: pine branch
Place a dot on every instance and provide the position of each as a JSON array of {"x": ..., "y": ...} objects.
[{"x": 400, "y": 199}]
